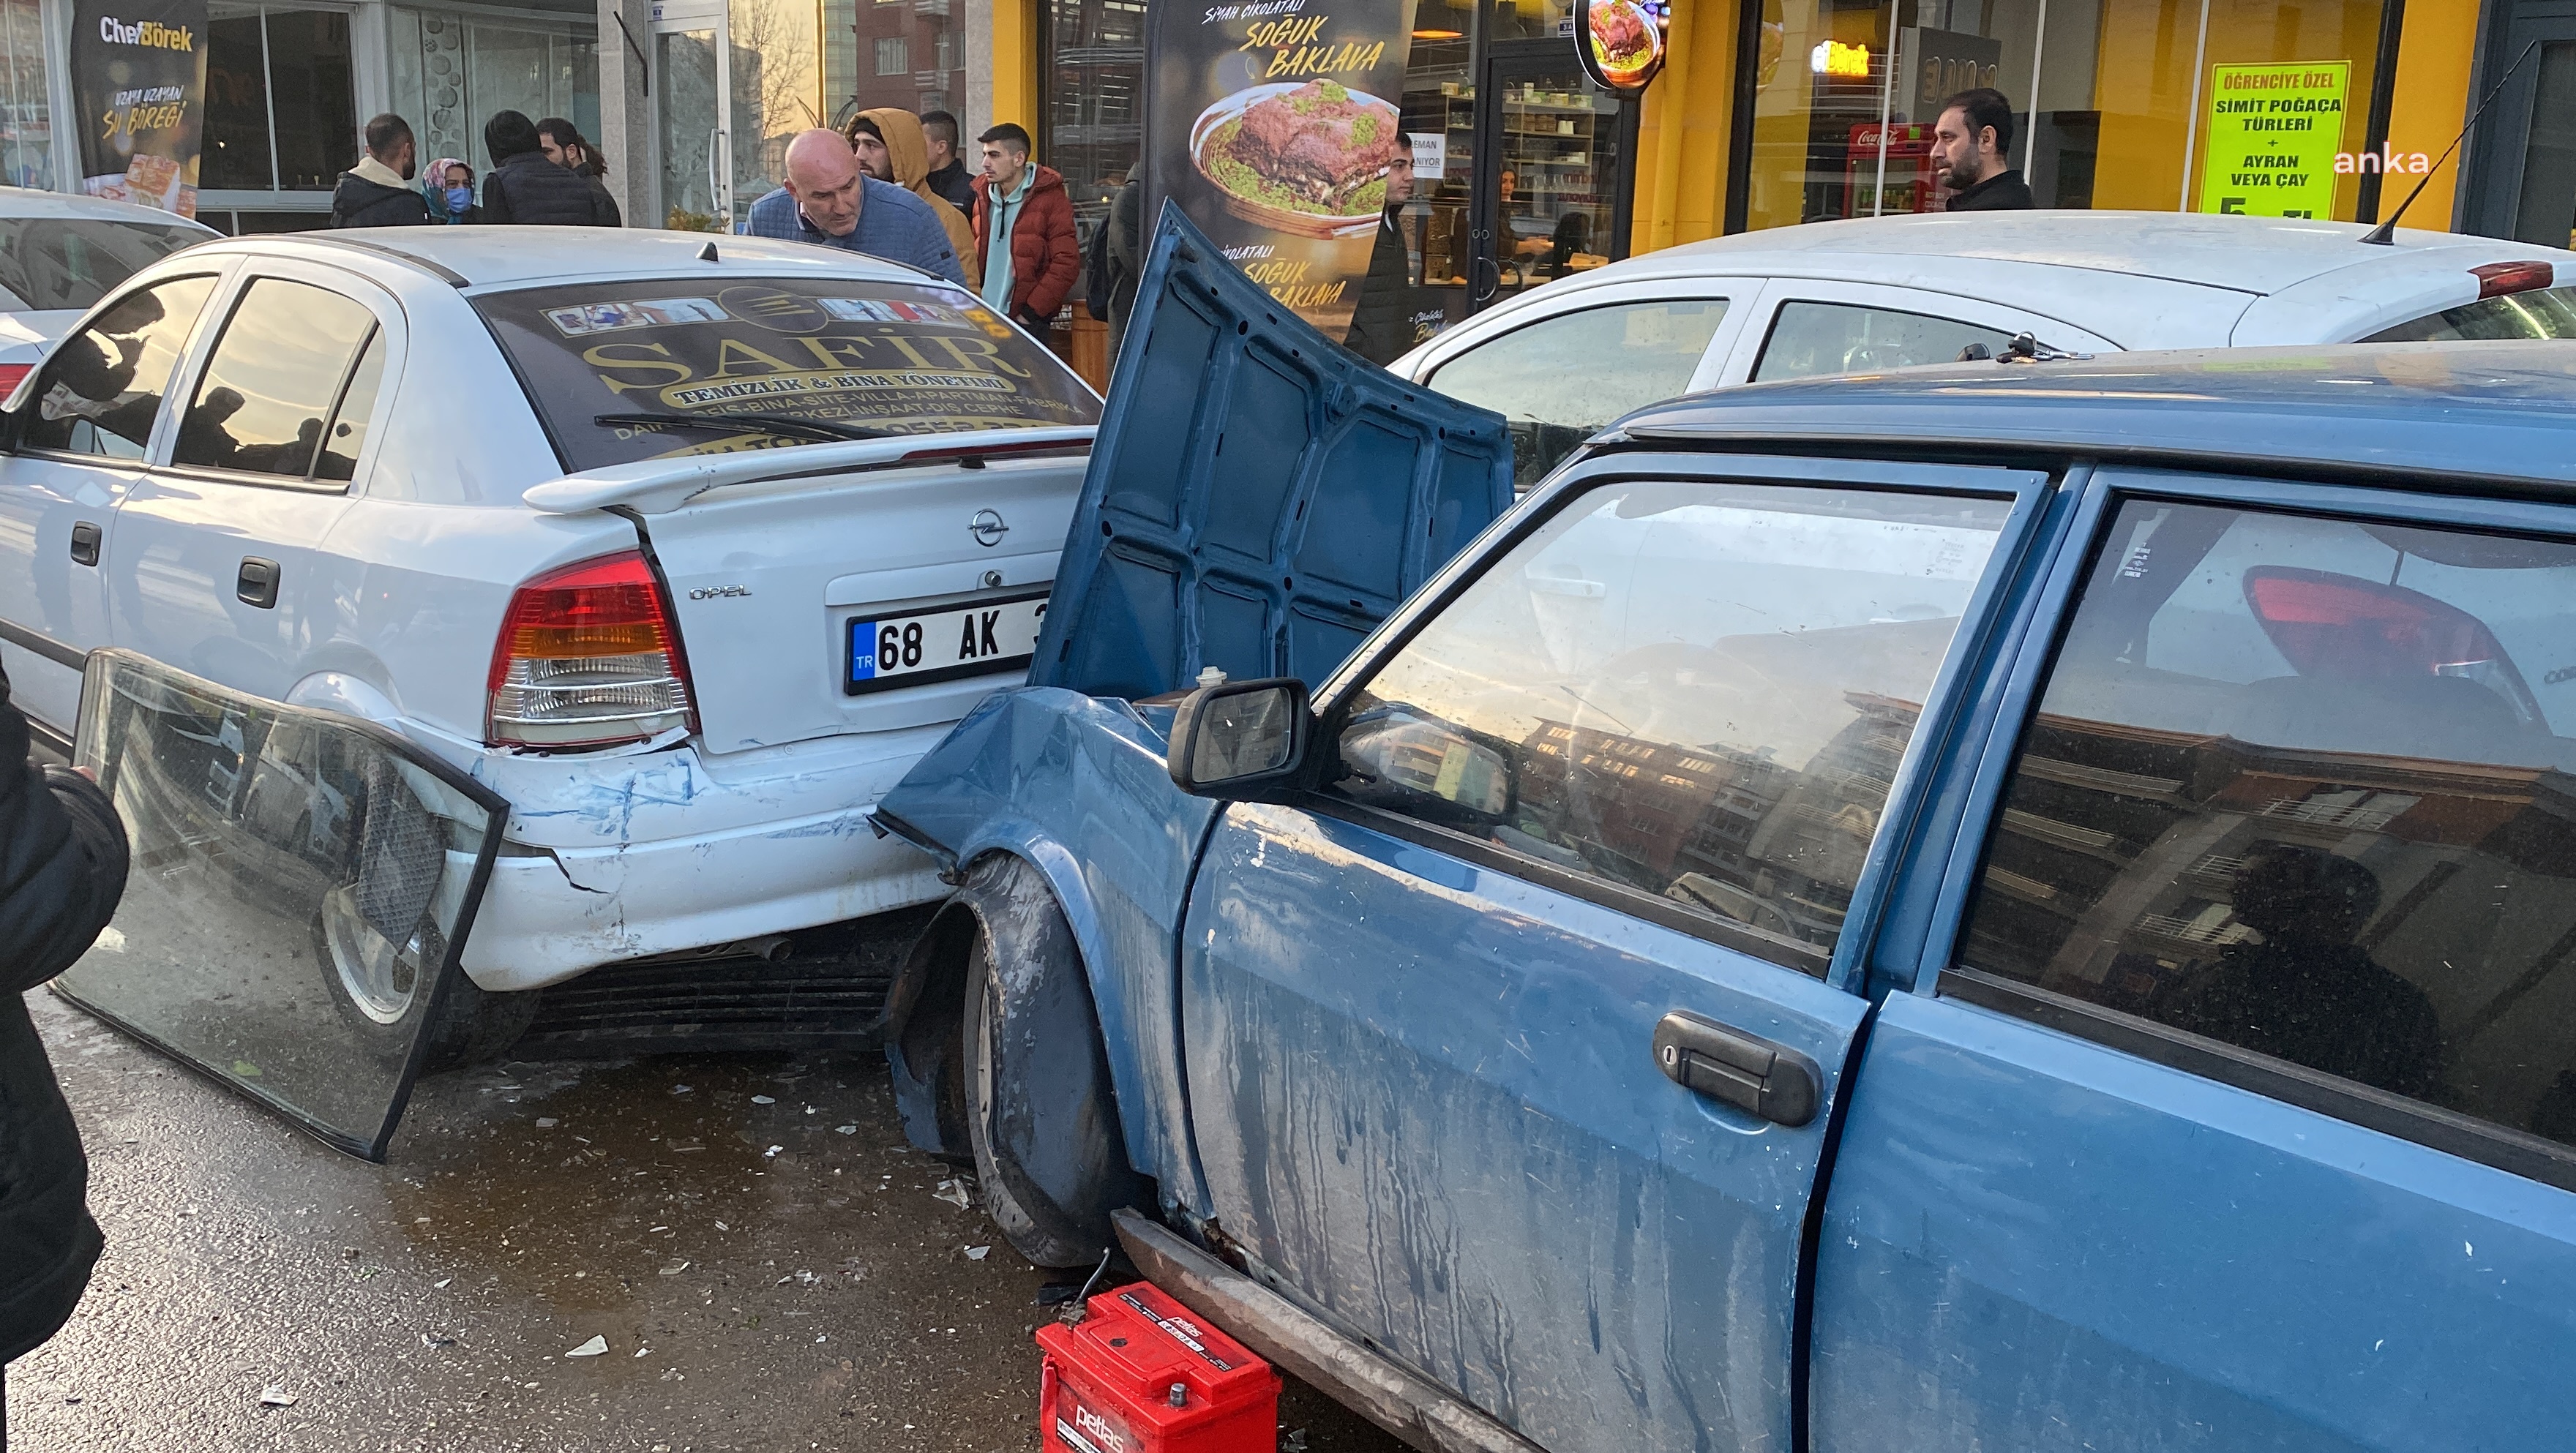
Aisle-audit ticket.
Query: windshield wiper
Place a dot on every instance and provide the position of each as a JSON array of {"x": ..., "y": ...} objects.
[{"x": 784, "y": 424}]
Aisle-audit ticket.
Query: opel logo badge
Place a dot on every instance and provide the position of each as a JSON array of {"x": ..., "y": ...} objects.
[{"x": 988, "y": 528}]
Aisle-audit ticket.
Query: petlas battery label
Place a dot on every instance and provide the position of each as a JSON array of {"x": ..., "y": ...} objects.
[{"x": 1086, "y": 1430}]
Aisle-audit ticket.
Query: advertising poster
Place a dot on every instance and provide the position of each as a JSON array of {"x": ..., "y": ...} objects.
[
  {"x": 2273, "y": 134},
  {"x": 1621, "y": 42},
  {"x": 1272, "y": 125},
  {"x": 138, "y": 72}
]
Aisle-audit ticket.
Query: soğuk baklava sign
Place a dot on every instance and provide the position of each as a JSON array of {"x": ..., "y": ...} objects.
[{"x": 1274, "y": 124}]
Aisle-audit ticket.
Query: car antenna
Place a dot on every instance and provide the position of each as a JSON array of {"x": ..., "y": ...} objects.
[
  {"x": 2385, "y": 234},
  {"x": 708, "y": 252}
]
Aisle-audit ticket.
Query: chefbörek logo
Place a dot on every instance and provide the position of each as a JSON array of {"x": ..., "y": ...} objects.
[{"x": 148, "y": 33}]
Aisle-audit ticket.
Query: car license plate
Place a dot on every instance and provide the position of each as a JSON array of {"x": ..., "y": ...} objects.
[{"x": 943, "y": 645}]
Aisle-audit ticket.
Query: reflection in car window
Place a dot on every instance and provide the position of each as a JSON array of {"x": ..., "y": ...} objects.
[
  {"x": 1808, "y": 339},
  {"x": 2304, "y": 786},
  {"x": 888, "y": 357},
  {"x": 1557, "y": 382},
  {"x": 1698, "y": 691},
  {"x": 348, "y": 436},
  {"x": 2546, "y": 313},
  {"x": 268, "y": 391},
  {"x": 72, "y": 262},
  {"x": 102, "y": 389}
]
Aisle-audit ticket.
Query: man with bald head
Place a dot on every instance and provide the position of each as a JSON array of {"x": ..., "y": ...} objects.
[{"x": 829, "y": 201}]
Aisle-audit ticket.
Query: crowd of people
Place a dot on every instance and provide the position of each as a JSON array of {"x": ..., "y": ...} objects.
[{"x": 887, "y": 183}]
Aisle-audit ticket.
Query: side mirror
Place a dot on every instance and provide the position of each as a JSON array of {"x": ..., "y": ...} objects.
[{"x": 1239, "y": 737}]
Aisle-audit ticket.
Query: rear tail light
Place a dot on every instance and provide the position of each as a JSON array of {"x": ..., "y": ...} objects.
[
  {"x": 10, "y": 373},
  {"x": 588, "y": 657},
  {"x": 2345, "y": 627},
  {"x": 2499, "y": 278}
]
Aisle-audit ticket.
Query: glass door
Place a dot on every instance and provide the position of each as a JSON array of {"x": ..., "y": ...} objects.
[
  {"x": 2524, "y": 183},
  {"x": 693, "y": 114},
  {"x": 1555, "y": 173}
]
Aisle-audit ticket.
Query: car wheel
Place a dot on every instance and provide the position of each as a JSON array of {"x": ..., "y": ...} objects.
[
  {"x": 382, "y": 989},
  {"x": 1041, "y": 1116}
]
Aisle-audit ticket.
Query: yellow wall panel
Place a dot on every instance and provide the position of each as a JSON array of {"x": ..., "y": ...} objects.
[{"x": 2434, "y": 59}]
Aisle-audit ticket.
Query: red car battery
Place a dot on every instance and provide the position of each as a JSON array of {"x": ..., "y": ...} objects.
[{"x": 1142, "y": 1374}]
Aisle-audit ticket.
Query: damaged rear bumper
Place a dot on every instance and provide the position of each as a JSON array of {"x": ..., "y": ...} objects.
[{"x": 618, "y": 857}]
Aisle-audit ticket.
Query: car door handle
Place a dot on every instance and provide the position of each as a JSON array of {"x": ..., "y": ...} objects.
[
  {"x": 85, "y": 538},
  {"x": 257, "y": 582},
  {"x": 1744, "y": 1070}
]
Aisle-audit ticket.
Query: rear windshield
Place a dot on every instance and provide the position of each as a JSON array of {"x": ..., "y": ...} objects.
[
  {"x": 72, "y": 262},
  {"x": 2544, "y": 313},
  {"x": 739, "y": 364}
]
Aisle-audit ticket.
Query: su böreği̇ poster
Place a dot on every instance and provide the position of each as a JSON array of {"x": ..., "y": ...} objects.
[
  {"x": 138, "y": 73},
  {"x": 1272, "y": 123}
]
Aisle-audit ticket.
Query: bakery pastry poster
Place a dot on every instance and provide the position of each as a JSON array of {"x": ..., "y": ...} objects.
[
  {"x": 138, "y": 71},
  {"x": 1273, "y": 125}
]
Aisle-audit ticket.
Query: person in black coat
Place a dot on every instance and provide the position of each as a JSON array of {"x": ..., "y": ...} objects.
[
  {"x": 62, "y": 869},
  {"x": 525, "y": 188},
  {"x": 1969, "y": 146},
  {"x": 377, "y": 192}
]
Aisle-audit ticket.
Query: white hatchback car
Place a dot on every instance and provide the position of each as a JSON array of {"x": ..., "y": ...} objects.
[
  {"x": 686, "y": 546},
  {"x": 1876, "y": 293},
  {"x": 60, "y": 254}
]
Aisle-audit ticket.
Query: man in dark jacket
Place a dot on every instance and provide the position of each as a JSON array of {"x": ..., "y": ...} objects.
[
  {"x": 1382, "y": 318},
  {"x": 525, "y": 188},
  {"x": 1969, "y": 144},
  {"x": 377, "y": 192},
  {"x": 949, "y": 175},
  {"x": 62, "y": 868}
]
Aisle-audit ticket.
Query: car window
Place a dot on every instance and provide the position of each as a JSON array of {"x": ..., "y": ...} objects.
[
  {"x": 72, "y": 262},
  {"x": 2303, "y": 786},
  {"x": 1559, "y": 380},
  {"x": 102, "y": 389},
  {"x": 275, "y": 378},
  {"x": 1809, "y": 339},
  {"x": 711, "y": 357},
  {"x": 1696, "y": 691},
  {"x": 348, "y": 435},
  {"x": 2543, "y": 313}
]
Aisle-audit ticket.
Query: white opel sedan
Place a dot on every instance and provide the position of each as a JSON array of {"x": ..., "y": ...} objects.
[
  {"x": 1561, "y": 360},
  {"x": 686, "y": 546},
  {"x": 60, "y": 254}
]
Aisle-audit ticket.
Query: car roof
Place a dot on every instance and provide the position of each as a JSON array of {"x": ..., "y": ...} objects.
[
  {"x": 29, "y": 202},
  {"x": 2258, "y": 255},
  {"x": 503, "y": 257},
  {"x": 2481, "y": 413}
]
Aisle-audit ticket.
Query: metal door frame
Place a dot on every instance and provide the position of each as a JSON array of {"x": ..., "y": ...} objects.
[
  {"x": 2491, "y": 172},
  {"x": 682, "y": 17},
  {"x": 1490, "y": 64}
]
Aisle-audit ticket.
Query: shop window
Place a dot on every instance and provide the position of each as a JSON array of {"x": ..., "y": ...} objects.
[
  {"x": 452, "y": 72},
  {"x": 2112, "y": 98},
  {"x": 2301, "y": 786},
  {"x": 281, "y": 102},
  {"x": 1091, "y": 81},
  {"x": 26, "y": 114}
]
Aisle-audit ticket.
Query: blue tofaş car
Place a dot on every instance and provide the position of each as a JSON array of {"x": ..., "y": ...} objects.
[{"x": 2019, "y": 906}]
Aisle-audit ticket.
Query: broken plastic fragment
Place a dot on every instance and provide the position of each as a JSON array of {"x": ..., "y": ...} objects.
[
  {"x": 772, "y": 1152},
  {"x": 436, "y": 1339},
  {"x": 978, "y": 1253},
  {"x": 674, "y": 1267},
  {"x": 763, "y": 1100},
  {"x": 276, "y": 1396},
  {"x": 442, "y": 1282},
  {"x": 954, "y": 1193},
  {"x": 591, "y": 1348},
  {"x": 846, "y": 1129},
  {"x": 547, "y": 1122}
]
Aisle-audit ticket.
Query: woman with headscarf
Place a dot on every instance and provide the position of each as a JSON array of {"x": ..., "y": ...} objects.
[
  {"x": 449, "y": 186},
  {"x": 908, "y": 157}
]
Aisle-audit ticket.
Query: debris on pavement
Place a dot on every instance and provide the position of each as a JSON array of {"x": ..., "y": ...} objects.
[
  {"x": 436, "y": 1339},
  {"x": 275, "y": 1395},
  {"x": 674, "y": 1266},
  {"x": 763, "y": 1100},
  {"x": 592, "y": 1348},
  {"x": 547, "y": 1122},
  {"x": 954, "y": 1192},
  {"x": 978, "y": 1253}
]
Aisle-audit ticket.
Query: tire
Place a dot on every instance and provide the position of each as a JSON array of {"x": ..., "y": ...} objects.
[
  {"x": 381, "y": 990},
  {"x": 1041, "y": 1115}
]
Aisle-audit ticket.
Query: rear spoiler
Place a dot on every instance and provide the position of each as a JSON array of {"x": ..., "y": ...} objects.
[{"x": 659, "y": 486}]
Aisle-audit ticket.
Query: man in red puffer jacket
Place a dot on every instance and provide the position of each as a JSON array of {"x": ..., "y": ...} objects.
[{"x": 1023, "y": 232}]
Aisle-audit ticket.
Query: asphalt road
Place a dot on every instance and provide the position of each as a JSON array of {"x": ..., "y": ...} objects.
[{"x": 770, "y": 1266}]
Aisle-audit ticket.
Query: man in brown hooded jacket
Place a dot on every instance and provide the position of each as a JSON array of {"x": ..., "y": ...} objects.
[{"x": 907, "y": 161}]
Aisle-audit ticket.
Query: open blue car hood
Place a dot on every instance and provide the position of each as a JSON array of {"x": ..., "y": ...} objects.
[{"x": 1258, "y": 499}]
